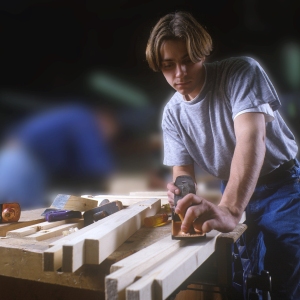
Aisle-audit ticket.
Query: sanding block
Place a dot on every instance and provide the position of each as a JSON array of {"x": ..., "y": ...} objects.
[{"x": 186, "y": 185}]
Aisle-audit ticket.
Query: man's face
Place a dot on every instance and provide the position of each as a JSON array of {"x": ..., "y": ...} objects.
[{"x": 181, "y": 73}]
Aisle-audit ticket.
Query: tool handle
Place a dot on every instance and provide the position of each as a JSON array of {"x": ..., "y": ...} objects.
[
  {"x": 186, "y": 185},
  {"x": 10, "y": 212},
  {"x": 62, "y": 215}
]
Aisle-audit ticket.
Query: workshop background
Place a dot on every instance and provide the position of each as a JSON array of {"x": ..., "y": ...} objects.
[{"x": 57, "y": 51}]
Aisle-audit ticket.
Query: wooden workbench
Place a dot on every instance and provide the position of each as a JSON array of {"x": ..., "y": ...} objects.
[
  {"x": 21, "y": 265},
  {"x": 22, "y": 273}
]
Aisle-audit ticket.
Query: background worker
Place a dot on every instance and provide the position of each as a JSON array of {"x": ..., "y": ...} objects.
[
  {"x": 63, "y": 149},
  {"x": 224, "y": 117}
]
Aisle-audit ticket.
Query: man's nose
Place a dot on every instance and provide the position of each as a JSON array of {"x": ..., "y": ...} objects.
[{"x": 180, "y": 70}]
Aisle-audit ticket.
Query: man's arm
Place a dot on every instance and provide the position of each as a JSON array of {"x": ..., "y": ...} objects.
[
  {"x": 245, "y": 168},
  {"x": 248, "y": 158}
]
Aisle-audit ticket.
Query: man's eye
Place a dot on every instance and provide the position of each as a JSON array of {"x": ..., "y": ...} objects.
[{"x": 167, "y": 66}]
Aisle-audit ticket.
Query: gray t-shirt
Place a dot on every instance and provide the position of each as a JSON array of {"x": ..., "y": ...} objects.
[{"x": 201, "y": 131}]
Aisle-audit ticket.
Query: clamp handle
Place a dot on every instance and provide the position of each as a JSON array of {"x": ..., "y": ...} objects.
[{"x": 261, "y": 282}]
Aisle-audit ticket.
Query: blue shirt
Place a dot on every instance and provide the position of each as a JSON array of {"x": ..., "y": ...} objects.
[{"x": 67, "y": 140}]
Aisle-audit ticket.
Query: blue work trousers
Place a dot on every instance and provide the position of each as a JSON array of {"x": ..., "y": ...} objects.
[{"x": 273, "y": 234}]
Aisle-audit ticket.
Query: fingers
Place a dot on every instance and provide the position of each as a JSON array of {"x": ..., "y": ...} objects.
[
  {"x": 173, "y": 188},
  {"x": 187, "y": 201},
  {"x": 209, "y": 217},
  {"x": 204, "y": 216},
  {"x": 198, "y": 213},
  {"x": 194, "y": 216}
]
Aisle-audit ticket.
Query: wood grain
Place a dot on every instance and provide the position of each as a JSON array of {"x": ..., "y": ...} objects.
[{"x": 110, "y": 233}]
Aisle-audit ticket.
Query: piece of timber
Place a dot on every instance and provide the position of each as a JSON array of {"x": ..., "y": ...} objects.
[
  {"x": 125, "y": 272},
  {"x": 112, "y": 231},
  {"x": 212, "y": 195},
  {"x": 158, "y": 270},
  {"x": 52, "y": 257},
  {"x": 27, "y": 218},
  {"x": 55, "y": 231},
  {"x": 55, "y": 255},
  {"x": 157, "y": 280},
  {"x": 126, "y": 199},
  {"x": 21, "y": 261},
  {"x": 149, "y": 193},
  {"x": 45, "y": 230}
]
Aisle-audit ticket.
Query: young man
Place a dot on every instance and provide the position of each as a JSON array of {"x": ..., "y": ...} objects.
[{"x": 224, "y": 117}]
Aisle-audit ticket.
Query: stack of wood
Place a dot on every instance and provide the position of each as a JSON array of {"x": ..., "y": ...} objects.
[
  {"x": 94, "y": 243},
  {"x": 155, "y": 271}
]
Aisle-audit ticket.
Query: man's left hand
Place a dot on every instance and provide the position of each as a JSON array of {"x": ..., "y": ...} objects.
[{"x": 205, "y": 216}]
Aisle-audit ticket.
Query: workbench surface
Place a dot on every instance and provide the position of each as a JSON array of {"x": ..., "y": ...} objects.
[{"x": 21, "y": 264}]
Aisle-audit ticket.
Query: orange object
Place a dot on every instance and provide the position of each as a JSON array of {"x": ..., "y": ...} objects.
[
  {"x": 10, "y": 212},
  {"x": 156, "y": 220}
]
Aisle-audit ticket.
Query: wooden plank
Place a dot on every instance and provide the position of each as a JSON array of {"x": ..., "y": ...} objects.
[
  {"x": 212, "y": 195},
  {"x": 54, "y": 232},
  {"x": 26, "y": 218},
  {"x": 127, "y": 199},
  {"x": 124, "y": 225},
  {"x": 23, "y": 259},
  {"x": 124, "y": 272},
  {"x": 158, "y": 270},
  {"x": 52, "y": 257},
  {"x": 94, "y": 247},
  {"x": 163, "y": 279},
  {"x": 149, "y": 193},
  {"x": 21, "y": 232}
]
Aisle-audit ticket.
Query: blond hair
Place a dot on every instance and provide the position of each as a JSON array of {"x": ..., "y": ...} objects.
[{"x": 179, "y": 25}]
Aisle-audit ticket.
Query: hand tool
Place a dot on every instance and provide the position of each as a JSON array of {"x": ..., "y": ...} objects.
[
  {"x": 71, "y": 202},
  {"x": 60, "y": 214},
  {"x": 103, "y": 210},
  {"x": 10, "y": 212},
  {"x": 186, "y": 185}
]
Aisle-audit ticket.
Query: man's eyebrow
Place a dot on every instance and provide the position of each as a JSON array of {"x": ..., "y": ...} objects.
[{"x": 182, "y": 58}]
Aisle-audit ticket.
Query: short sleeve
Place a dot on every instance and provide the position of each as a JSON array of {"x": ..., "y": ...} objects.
[
  {"x": 175, "y": 152},
  {"x": 265, "y": 109},
  {"x": 250, "y": 87}
]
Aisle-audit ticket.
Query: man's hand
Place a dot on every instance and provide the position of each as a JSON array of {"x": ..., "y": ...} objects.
[
  {"x": 205, "y": 216},
  {"x": 172, "y": 190}
]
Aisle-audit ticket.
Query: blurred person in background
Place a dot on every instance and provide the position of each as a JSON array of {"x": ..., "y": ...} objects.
[{"x": 67, "y": 148}]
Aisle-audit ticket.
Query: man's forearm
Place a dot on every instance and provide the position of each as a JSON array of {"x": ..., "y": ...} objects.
[{"x": 242, "y": 181}]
